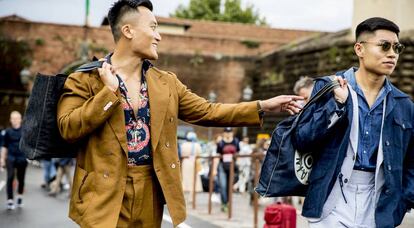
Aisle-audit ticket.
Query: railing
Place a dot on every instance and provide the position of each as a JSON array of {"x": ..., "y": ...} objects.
[{"x": 256, "y": 162}]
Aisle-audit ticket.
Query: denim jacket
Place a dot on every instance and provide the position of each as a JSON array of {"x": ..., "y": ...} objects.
[{"x": 397, "y": 194}]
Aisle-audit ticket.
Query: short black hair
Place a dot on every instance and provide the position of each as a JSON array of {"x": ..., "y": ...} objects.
[
  {"x": 119, "y": 9},
  {"x": 372, "y": 24}
]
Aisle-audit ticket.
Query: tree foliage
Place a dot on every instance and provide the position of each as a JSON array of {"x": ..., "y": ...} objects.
[
  {"x": 15, "y": 55},
  {"x": 211, "y": 10}
]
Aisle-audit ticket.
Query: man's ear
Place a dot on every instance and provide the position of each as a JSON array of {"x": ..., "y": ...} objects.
[
  {"x": 127, "y": 31},
  {"x": 359, "y": 50}
]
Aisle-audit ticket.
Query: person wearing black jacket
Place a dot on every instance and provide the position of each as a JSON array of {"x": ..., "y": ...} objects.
[{"x": 13, "y": 159}]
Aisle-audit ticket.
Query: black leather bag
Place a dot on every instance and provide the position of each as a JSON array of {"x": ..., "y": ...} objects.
[
  {"x": 40, "y": 134},
  {"x": 285, "y": 170}
]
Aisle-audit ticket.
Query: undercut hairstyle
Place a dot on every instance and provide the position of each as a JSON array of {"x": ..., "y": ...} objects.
[
  {"x": 369, "y": 26},
  {"x": 121, "y": 8}
]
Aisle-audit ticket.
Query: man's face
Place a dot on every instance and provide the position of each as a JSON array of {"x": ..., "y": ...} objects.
[
  {"x": 305, "y": 92},
  {"x": 372, "y": 56},
  {"x": 16, "y": 120},
  {"x": 228, "y": 134},
  {"x": 145, "y": 37}
]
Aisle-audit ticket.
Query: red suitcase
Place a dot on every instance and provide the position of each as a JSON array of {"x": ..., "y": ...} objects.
[{"x": 280, "y": 215}]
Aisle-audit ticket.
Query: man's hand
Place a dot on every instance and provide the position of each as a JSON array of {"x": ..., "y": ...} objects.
[
  {"x": 2, "y": 164},
  {"x": 341, "y": 92},
  {"x": 282, "y": 103},
  {"x": 107, "y": 73}
]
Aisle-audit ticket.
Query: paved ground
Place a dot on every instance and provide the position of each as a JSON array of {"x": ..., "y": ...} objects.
[
  {"x": 243, "y": 213},
  {"x": 41, "y": 211}
]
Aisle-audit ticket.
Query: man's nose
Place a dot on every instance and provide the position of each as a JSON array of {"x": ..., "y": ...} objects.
[{"x": 158, "y": 36}]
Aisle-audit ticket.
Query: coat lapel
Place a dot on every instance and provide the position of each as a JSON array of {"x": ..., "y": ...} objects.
[
  {"x": 159, "y": 98},
  {"x": 117, "y": 120}
]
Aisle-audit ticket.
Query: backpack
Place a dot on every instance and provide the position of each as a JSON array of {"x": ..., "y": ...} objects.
[
  {"x": 41, "y": 138},
  {"x": 285, "y": 170}
]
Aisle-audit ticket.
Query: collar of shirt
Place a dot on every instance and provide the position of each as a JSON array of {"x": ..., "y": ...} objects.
[
  {"x": 145, "y": 65},
  {"x": 350, "y": 77}
]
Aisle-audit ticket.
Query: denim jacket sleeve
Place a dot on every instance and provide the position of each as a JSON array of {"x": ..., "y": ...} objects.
[
  {"x": 408, "y": 168},
  {"x": 80, "y": 111},
  {"x": 319, "y": 119}
]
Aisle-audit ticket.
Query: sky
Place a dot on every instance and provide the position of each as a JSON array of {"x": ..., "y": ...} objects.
[{"x": 321, "y": 15}]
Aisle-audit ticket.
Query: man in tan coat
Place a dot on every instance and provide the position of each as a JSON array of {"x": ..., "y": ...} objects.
[{"x": 124, "y": 118}]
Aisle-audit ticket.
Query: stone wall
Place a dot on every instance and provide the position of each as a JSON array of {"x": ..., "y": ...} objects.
[{"x": 320, "y": 56}]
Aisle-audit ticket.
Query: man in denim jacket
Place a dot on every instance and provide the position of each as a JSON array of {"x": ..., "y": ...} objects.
[{"x": 362, "y": 135}]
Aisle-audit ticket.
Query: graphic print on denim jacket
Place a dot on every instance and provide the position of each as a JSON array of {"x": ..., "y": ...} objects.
[{"x": 137, "y": 126}]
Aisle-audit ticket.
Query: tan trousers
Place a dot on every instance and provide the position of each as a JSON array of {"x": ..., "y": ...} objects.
[{"x": 143, "y": 202}]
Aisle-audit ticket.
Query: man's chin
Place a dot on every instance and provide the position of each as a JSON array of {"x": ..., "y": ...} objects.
[
  {"x": 387, "y": 72},
  {"x": 382, "y": 71},
  {"x": 149, "y": 56},
  {"x": 152, "y": 57}
]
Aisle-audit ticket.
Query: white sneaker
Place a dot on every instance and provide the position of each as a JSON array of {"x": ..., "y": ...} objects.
[
  {"x": 10, "y": 204},
  {"x": 215, "y": 198}
]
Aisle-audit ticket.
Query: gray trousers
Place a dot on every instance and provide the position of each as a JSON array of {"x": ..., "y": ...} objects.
[{"x": 359, "y": 210}]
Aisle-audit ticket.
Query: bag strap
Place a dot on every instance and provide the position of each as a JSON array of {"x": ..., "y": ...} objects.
[
  {"x": 89, "y": 66},
  {"x": 322, "y": 92},
  {"x": 94, "y": 64},
  {"x": 326, "y": 89}
]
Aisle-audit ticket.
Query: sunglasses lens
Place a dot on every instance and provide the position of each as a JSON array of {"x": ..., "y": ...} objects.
[
  {"x": 386, "y": 46},
  {"x": 398, "y": 48}
]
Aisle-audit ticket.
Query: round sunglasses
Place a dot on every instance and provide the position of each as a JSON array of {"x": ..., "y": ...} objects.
[{"x": 386, "y": 46}]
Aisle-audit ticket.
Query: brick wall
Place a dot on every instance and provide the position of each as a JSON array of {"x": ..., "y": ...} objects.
[{"x": 57, "y": 46}]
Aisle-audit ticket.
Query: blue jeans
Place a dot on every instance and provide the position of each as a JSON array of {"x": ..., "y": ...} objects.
[
  {"x": 49, "y": 170},
  {"x": 223, "y": 179}
]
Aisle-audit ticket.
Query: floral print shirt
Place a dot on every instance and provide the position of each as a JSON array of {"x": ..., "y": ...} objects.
[{"x": 137, "y": 125}]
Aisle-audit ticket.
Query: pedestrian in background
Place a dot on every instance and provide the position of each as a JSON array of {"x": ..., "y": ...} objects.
[
  {"x": 259, "y": 152},
  {"x": 190, "y": 149},
  {"x": 303, "y": 87},
  {"x": 14, "y": 160},
  {"x": 244, "y": 165},
  {"x": 2, "y": 134},
  {"x": 227, "y": 147},
  {"x": 64, "y": 169},
  {"x": 362, "y": 133},
  {"x": 49, "y": 173}
]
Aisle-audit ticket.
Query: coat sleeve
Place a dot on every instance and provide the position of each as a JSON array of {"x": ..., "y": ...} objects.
[
  {"x": 319, "y": 119},
  {"x": 408, "y": 168},
  {"x": 80, "y": 111},
  {"x": 197, "y": 110}
]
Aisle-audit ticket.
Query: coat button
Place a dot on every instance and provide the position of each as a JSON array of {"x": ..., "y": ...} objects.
[
  {"x": 173, "y": 166},
  {"x": 171, "y": 119},
  {"x": 387, "y": 191},
  {"x": 167, "y": 144},
  {"x": 346, "y": 180},
  {"x": 106, "y": 174},
  {"x": 403, "y": 126},
  {"x": 389, "y": 167},
  {"x": 387, "y": 143}
]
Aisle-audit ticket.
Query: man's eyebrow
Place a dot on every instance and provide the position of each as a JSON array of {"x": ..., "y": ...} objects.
[{"x": 391, "y": 41}]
